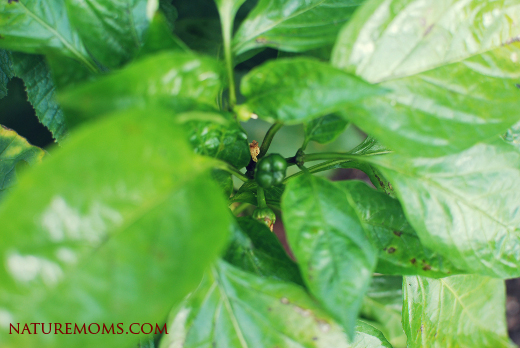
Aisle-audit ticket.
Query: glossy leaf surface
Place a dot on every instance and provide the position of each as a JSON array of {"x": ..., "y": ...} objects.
[
  {"x": 254, "y": 248},
  {"x": 34, "y": 72},
  {"x": 383, "y": 305},
  {"x": 388, "y": 39},
  {"x": 232, "y": 308},
  {"x": 464, "y": 206},
  {"x": 334, "y": 254},
  {"x": 300, "y": 89},
  {"x": 122, "y": 246},
  {"x": 111, "y": 30},
  {"x": 400, "y": 250},
  {"x": 217, "y": 135},
  {"x": 448, "y": 109},
  {"x": 14, "y": 149},
  {"x": 293, "y": 25},
  {"x": 458, "y": 311},
  {"x": 33, "y": 26},
  {"x": 177, "y": 79},
  {"x": 324, "y": 129}
]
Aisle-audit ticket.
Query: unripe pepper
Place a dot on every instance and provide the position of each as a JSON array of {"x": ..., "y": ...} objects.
[
  {"x": 270, "y": 170},
  {"x": 266, "y": 216}
]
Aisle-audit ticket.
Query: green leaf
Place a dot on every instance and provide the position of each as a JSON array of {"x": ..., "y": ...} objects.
[
  {"x": 324, "y": 129},
  {"x": 400, "y": 250},
  {"x": 202, "y": 35},
  {"x": 169, "y": 13},
  {"x": 254, "y": 248},
  {"x": 217, "y": 135},
  {"x": 6, "y": 72},
  {"x": 383, "y": 305},
  {"x": 327, "y": 238},
  {"x": 118, "y": 232},
  {"x": 387, "y": 39},
  {"x": 67, "y": 72},
  {"x": 293, "y": 25},
  {"x": 159, "y": 38},
  {"x": 33, "y": 70},
  {"x": 34, "y": 27},
  {"x": 177, "y": 79},
  {"x": 224, "y": 180},
  {"x": 464, "y": 206},
  {"x": 458, "y": 311},
  {"x": 232, "y": 308},
  {"x": 111, "y": 30},
  {"x": 448, "y": 109},
  {"x": 13, "y": 150},
  {"x": 300, "y": 89}
]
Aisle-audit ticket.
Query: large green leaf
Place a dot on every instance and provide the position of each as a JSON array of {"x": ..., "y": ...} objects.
[
  {"x": 111, "y": 30},
  {"x": 458, "y": 311},
  {"x": 217, "y": 135},
  {"x": 293, "y": 25},
  {"x": 395, "y": 38},
  {"x": 254, "y": 248},
  {"x": 464, "y": 206},
  {"x": 178, "y": 79},
  {"x": 232, "y": 308},
  {"x": 300, "y": 89},
  {"x": 400, "y": 250},
  {"x": 6, "y": 72},
  {"x": 324, "y": 129},
  {"x": 330, "y": 244},
  {"x": 448, "y": 109},
  {"x": 33, "y": 26},
  {"x": 36, "y": 76},
  {"x": 383, "y": 305},
  {"x": 14, "y": 149},
  {"x": 114, "y": 227}
]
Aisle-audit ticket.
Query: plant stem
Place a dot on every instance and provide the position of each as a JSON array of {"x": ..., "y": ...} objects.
[
  {"x": 328, "y": 156},
  {"x": 230, "y": 169},
  {"x": 269, "y": 138},
  {"x": 238, "y": 210},
  {"x": 317, "y": 168},
  {"x": 260, "y": 195},
  {"x": 226, "y": 35}
]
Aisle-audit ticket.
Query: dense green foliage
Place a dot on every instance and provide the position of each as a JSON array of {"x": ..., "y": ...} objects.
[{"x": 154, "y": 208}]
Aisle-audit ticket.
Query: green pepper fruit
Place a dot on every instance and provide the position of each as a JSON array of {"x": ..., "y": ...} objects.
[
  {"x": 270, "y": 170},
  {"x": 266, "y": 216}
]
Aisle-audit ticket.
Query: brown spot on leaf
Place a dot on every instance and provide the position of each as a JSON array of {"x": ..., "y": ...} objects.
[
  {"x": 427, "y": 268},
  {"x": 413, "y": 261},
  {"x": 284, "y": 300},
  {"x": 11, "y": 1},
  {"x": 428, "y": 30},
  {"x": 390, "y": 250},
  {"x": 517, "y": 85},
  {"x": 315, "y": 338},
  {"x": 398, "y": 233},
  {"x": 269, "y": 309}
]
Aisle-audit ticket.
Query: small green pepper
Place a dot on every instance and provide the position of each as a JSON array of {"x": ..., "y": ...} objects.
[
  {"x": 270, "y": 170},
  {"x": 266, "y": 216}
]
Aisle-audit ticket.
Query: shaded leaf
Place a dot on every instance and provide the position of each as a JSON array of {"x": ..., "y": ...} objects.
[
  {"x": 111, "y": 30},
  {"x": 159, "y": 37},
  {"x": 324, "y": 129},
  {"x": 37, "y": 27},
  {"x": 33, "y": 70},
  {"x": 254, "y": 248},
  {"x": 383, "y": 306},
  {"x": 334, "y": 254},
  {"x": 445, "y": 110},
  {"x": 300, "y": 89},
  {"x": 217, "y": 135},
  {"x": 127, "y": 242},
  {"x": 400, "y": 250},
  {"x": 6, "y": 72},
  {"x": 201, "y": 35},
  {"x": 387, "y": 39},
  {"x": 464, "y": 206},
  {"x": 14, "y": 149},
  {"x": 180, "y": 80},
  {"x": 247, "y": 193},
  {"x": 170, "y": 13},
  {"x": 224, "y": 180},
  {"x": 293, "y": 25},
  {"x": 232, "y": 308},
  {"x": 458, "y": 311}
]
